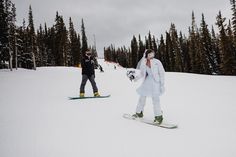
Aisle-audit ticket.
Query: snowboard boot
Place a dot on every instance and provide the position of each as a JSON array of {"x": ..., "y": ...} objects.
[
  {"x": 158, "y": 119},
  {"x": 138, "y": 115},
  {"x": 81, "y": 95},
  {"x": 96, "y": 94}
]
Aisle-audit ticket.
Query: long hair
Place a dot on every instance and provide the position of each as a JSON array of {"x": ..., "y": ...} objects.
[
  {"x": 145, "y": 54},
  {"x": 147, "y": 51}
]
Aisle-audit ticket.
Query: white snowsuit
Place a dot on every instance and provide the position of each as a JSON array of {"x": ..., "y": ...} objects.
[{"x": 152, "y": 86}]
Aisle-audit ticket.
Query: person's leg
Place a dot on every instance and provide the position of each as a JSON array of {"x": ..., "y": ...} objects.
[
  {"x": 157, "y": 109},
  {"x": 140, "y": 107},
  {"x": 83, "y": 83},
  {"x": 93, "y": 83},
  {"x": 141, "y": 104},
  {"x": 156, "y": 106}
]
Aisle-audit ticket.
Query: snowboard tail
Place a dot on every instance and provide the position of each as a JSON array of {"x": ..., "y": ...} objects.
[
  {"x": 150, "y": 122},
  {"x": 89, "y": 97}
]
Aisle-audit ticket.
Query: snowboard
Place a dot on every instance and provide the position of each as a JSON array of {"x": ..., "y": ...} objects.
[
  {"x": 150, "y": 122},
  {"x": 89, "y": 97}
]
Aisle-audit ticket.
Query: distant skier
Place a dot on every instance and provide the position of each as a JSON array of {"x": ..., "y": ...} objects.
[
  {"x": 100, "y": 68},
  {"x": 88, "y": 73},
  {"x": 152, "y": 71}
]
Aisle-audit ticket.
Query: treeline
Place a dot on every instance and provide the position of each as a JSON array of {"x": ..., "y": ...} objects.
[
  {"x": 203, "y": 51},
  {"x": 25, "y": 47}
]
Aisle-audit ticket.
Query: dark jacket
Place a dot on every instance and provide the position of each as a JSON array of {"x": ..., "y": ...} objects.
[{"x": 88, "y": 66}]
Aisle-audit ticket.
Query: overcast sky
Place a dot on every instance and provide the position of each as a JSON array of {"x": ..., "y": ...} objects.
[{"x": 116, "y": 21}]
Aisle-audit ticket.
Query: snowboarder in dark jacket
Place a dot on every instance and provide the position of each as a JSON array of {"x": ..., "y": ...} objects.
[{"x": 88, "y": 73}]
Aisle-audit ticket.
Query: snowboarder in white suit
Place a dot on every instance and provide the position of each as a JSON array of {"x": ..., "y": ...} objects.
[{"x": 152, "y": 71}]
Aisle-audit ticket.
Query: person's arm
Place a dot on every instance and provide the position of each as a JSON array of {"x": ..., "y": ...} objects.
[
  {"x": 82, "y": 63},
  {"x": 162, "y": 77},
  {"x": 162, "y": 74},
  {"x": 142, "y": 71}
]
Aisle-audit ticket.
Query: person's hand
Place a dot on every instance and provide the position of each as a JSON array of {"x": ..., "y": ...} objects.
[{"x": 130, "y": 75}]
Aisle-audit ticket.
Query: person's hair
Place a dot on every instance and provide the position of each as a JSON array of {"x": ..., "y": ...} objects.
[
  {"x": 88, "y": 51},
  {"x": 147, "y": 51}
]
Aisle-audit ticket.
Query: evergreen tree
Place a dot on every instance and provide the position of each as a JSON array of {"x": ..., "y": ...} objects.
[
  {"x": 207, "y": 50},
  {"x": 231, "y": 47},
  {"x": 215, "y": 50},
  {"x": 13, "y": 36},
  {"x": 42, "y": 49},
  {"x": 194, "y": 47},
  {"x": 227, "y": 65},
  {"x": 19, "y": 37},
  {"x": 84, "y": 39},
  {"x": 170, "y": 58},
  {"x": 3, "y": 35},
  {"x": 233, "y": 8},
  {"x": 177, "y": 54},
  {"x": 154, "y": 43},
  {"x": 184, "y": 46},
  {"x": 32, "y": 47},
  {"x": 141, "y": 48},
  {"x": 25, "y": 58},
  {"x": 149, "y": 41},
  {"x": 10, "y": 11},
  {"x": 61, "y": 42},
  {"x": 134, "y": 52},
  {"x": 74, "y": 44},
  {"x": 161, "y": 52}
]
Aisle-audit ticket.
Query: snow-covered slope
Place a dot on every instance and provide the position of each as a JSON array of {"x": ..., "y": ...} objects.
[{"x": 38, "y": 120}]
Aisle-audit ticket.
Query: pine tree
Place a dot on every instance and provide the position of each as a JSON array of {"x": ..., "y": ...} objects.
[
  {"x": 215, "y": 50},
  {"x": 170, "y": 58},
  {"x": 42, "y": 49},
  {"x": 170, "y": 51},
  {"x": 177, "y": 54},
  {"x": 149, "y": 41},
  {"x": 231, "y": 46},
  {"x": 134, "y": 52},
  {"x": 52, "y": 46},
  {"x": 233, "y": 8},
  {"x": 61, "y": 42},
  {"x": 13, "y": 36},
  {"x": 10, "y": 19},
  {"x": 84, "y": 39},
  {"x": 32, "y": 48},
  {"x": 227, "y": 65},
  {"x": 207, "y": 50},
  {"x": 200, "y": 67},
  {"x": 4, "y": 55},
  {"x": 141, "y": 48},
  {"x": 25, "y": 57},
  {"x": 184, "y": 46},
  {"x": 195, "y": 54},
  {"x": 161, "y": 52},
  {"x": 154, "y": 43},
  {"x": 74, "y": 44}
]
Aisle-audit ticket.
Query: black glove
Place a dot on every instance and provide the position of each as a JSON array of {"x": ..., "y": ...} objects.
[{"x": 131, "y": 77}]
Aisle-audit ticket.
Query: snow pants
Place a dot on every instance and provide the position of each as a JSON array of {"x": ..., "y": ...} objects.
[
  {"x": 156, "y": 105},
  {"x": 85, "y": 78}
]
